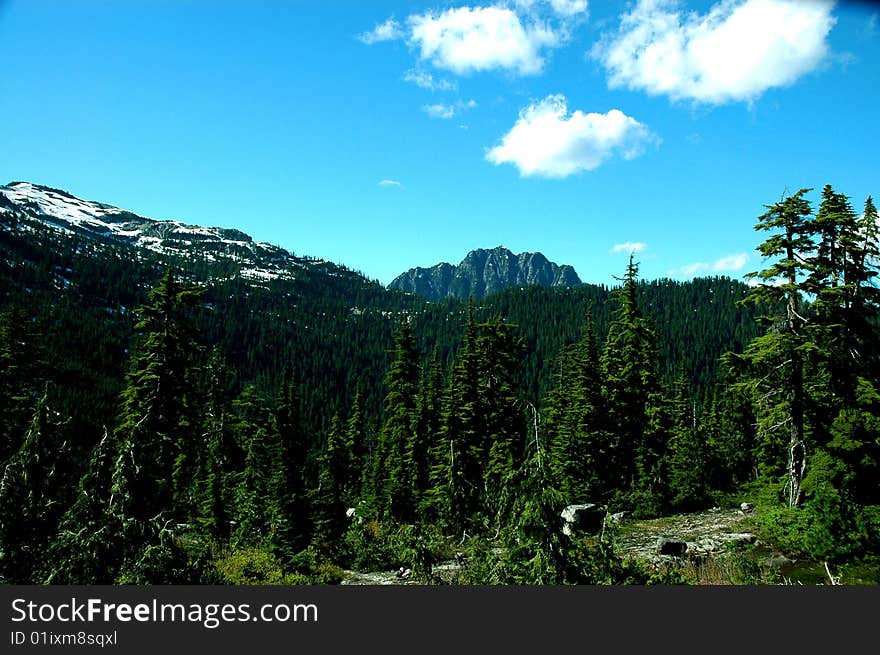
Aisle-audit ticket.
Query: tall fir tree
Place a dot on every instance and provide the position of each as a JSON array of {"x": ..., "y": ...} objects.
[
  {"x": 729, "y": 425},
  {"x": 87, "y": 547},
  {"x": 776, "y": 359},
  {"x": 687, "y": 468},
  {"x": 256, "y": 498},
  {"x": 21, "y": 361},
  {"x": 501, "y": 412},
  {"x": 632, "y": 397},
  {"x": 294, "y": 528},
  {"x": 460, "y": 473},
  {"x": 425, "y": 447},
  {"x": 154, "y": 471},
  {"x": 579, "y": 440},
  {"x": 333, "y": 496},
  {"x": 218, "y": 460},
  {"x": 33, "y": 488},
  {"x": 357, "y": 435},
  {"x": 396, "y": 440}
]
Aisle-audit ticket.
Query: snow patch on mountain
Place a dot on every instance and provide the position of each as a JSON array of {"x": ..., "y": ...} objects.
[{"x": 64, "y": 212}]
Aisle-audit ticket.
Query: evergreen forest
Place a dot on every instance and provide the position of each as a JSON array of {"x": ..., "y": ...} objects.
[{"x": 164, "y": 420}]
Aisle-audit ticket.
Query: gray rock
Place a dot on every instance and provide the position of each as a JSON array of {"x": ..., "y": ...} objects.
[
  {"x": 588, "y": 517},
  {"x": 706, "y": 545},
  {"x": 483, "y": 272},
  {"x": 739, "y": 537},
  {"x": 618, "y": 517},
  {"x": 667, "y": 546},
  {"x": 747, "y": 507},
  {"x": 778, "y": 561}
]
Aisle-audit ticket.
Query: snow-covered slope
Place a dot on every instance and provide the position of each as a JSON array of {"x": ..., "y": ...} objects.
[{"x": 62, "y": 211}]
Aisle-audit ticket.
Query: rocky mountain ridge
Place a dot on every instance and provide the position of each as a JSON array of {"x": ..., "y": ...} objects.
[
  {"x": 483, "y": 272},
  {"x": 27, "y": 205}
]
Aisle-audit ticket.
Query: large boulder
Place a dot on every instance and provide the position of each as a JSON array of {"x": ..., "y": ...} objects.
[
  {"x": 587, "y": 518},
  {"x": 674, "y": 547}
]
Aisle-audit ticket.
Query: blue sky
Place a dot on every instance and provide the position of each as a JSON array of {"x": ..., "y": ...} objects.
[{"x": 386, "y": 135}]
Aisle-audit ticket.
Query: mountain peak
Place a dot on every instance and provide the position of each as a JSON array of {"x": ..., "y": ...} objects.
[
  {"x": 66, "y": 213},
  {"x": 483, "y": 272}
]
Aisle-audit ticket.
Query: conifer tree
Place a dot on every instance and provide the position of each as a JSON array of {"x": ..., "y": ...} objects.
[
  {"x": 356, "y": 435},
  {"x": 461, "y": 471},
  {"x": 828, "y": 330},
  {"x": 20, "y": 362},
  {"x": 436, "y": 503},
  {"x": 425, "y": 452},
  {"x": 557, "y": 419},
  {"x": 730, "y": 438},
  {"x": 535, "y": 551},
  {"x": 256, "y": 501},
  {"x": 33, "y": 486},
  {"x": 87, "y": 548},
  {"x": 397, "y": 436},
  {"x": 294, "y": 526},
  {"x": 776, "y": 359},
  {"x": 574, "y": 414},
  {"x": 334, "y": 486},
  {"x": 214, "y": 503},
  {"x": 631, "y": 395},
  {"x": 852, "y": 360},
  {"x": 156, "y": 417},
  {"x": 217, "y": 460},
  {"x": 688, "y": 475},
  {"x": 503, "y": 427},
  {"x": 152, "y": 480}
]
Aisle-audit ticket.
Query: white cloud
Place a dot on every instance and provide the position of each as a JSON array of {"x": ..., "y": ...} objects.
[
  {"x": 425, "y": 80},
  {"x": 441, "y": 110},
  {"x": 390, "y": 183},
  {"x": 726, "y": 264},
  {"x": 547, "y": 141},
  {"x": 472, "y": 39},
  {"x": 628, "y": 247},
  {"x": 569, "y": 7},
  {"x": 565, "y": 8},
  {"x": 735, "y": 52},
  {"x": 390, "y": 30}
]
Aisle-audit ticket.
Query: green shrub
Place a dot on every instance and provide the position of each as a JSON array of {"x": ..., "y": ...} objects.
[
  {"x": 252, "y": 566},
  {"x": 376, "y": 546}
]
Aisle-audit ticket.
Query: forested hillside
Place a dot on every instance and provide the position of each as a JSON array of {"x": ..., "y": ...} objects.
[{"x": 169, "y": 418}]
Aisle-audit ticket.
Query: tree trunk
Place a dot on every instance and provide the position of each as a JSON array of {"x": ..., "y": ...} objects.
[{"x": 797, "y": 461}]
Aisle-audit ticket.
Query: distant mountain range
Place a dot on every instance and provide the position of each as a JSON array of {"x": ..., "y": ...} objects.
[
  {"x": 64, "y": 212},
  {"x": 483, "y": 272}
]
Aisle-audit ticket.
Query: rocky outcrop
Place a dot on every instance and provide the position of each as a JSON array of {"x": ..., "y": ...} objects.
[
  {"x": 587, "y": 518},
  {"x": 695, "y": 536},
  {"x": 483, "y": 272},
  {"x": 674, "y": 547}
]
